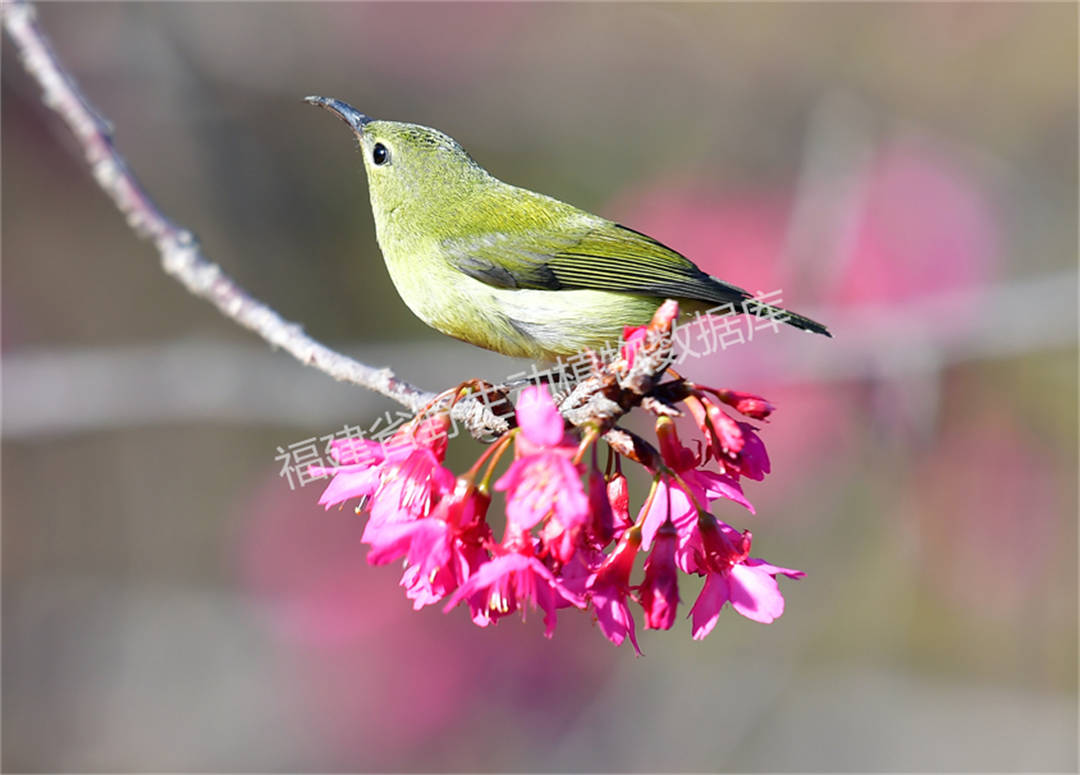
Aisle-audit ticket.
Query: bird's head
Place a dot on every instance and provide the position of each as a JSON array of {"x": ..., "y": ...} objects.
[{"x": 411, "y": 167}]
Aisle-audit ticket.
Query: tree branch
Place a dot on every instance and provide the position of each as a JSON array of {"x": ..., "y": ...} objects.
[{"x": 180, "y": 253}]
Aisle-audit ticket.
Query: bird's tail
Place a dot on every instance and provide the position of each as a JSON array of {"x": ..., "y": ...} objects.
[
  {"x": 740, "y": 300},
  {"x": 791, "y": 318}
]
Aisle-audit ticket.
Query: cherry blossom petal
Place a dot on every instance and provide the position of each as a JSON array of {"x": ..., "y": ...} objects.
[
  {"x": 349, "y": 484},
  {"x": 774, "y": 570},
  {"x": 720, "y": 486},
  {"x": 512, "y": 579},
  {"x": 755, "y": 594},
  {"x": 706, "y": 610},
  {"x": 753, "y": 460},
  {"x": 669, "y": 501},
  {"x": 614, "y": 617},
  {"x": 538, "y": 417}
]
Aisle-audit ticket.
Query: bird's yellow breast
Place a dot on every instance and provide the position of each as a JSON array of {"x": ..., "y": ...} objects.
[{"x": 537, "y": 324}]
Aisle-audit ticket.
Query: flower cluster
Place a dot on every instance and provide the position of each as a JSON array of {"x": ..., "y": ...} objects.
[{"x": 569, "y": 539}]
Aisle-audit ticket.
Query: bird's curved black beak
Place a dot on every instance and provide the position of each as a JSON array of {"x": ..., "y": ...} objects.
[{"x": 346, "y": 112}]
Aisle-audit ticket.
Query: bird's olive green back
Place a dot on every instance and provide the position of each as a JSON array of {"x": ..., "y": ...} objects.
[
  {"x": 435, "y": 208},
  {"x": 509, "y": 237}
]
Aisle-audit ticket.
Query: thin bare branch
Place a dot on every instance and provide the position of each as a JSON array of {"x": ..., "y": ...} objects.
[{"x": 180, "y": 253}]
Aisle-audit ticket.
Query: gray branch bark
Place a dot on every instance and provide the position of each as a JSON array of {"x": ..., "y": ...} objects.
[{"x": 181, "y": 256}]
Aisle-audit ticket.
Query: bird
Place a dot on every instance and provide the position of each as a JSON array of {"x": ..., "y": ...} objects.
[{"x": 512, "y": 270}]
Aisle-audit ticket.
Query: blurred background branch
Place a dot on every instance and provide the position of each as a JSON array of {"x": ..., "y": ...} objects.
[{"x": 122, "y": 387}]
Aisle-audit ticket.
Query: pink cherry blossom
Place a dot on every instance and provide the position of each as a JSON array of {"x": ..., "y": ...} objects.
[
  {"x": 560, "y": 542},
  {"x": 391, "y": 477},
  {"x": 544, "y": 482},
  {"x": 574, "y": 575},
  {"x": 430, "y": 577},
  {"x": 678, "y": 500},
  {"x": 723, "y": 436},
  {"x": 731, "y": 575},
  {"x": 752, "y": 460},
  {"x": 734, "y": 445},
  {"x": 600, "y": 528},
  {"x": 357, "y": 476},
  {"x": 543, "y": 485},
  {"x": 746, "y": 404},
  {"x": 619, "y": 496},
  {"x": 553, "y": 552},
  {"x": 608, "y": 588},
  {"x": 669, "y": 504},
  {"x": 441, "y": 550},
  {"x": 660, "y": 590},
  {"x": 425, "y": 543},
  {"x": 511, "y": 580},
  {"x": 467, "y": 558},
  {"x": 539, "y": 418},
  {"x": 409, "y": 486}
]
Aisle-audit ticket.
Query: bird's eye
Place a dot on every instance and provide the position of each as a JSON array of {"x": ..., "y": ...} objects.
[{"x": 379, "y": 154}]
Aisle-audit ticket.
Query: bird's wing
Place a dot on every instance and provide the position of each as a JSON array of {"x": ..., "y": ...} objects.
[
  {"x": 603, "y": 256},
  {"x": 600, "y": 255}
]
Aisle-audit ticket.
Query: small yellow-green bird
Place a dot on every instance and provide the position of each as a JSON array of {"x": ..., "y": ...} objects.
[{"x": 506, "y": 268}]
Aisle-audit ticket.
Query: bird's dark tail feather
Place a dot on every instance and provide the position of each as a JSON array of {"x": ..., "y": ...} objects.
[
  {"x": 744, "y": 301},
  {"x": 792, "y": 319}
]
